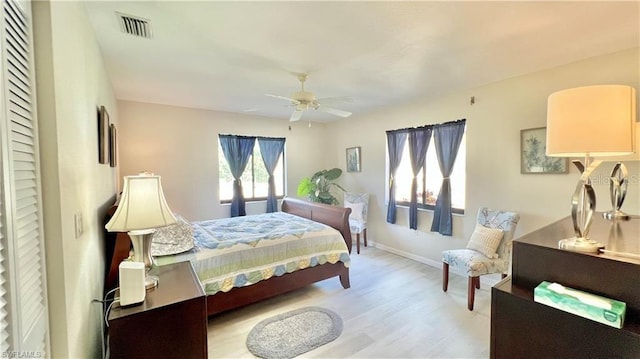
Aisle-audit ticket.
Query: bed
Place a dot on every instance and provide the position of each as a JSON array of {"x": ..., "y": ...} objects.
[{"x": 316, "y": 255}]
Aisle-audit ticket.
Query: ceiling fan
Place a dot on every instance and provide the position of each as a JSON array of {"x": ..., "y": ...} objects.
[{"x": 303, "y": 100}]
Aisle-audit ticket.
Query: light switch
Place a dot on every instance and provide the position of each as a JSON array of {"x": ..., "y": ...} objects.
[{"x": 77, "y": 218}]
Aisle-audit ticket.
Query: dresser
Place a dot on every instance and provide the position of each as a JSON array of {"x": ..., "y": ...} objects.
[
  {"x": 170, "y": 323},
  {"x": 522, "y": 328}
]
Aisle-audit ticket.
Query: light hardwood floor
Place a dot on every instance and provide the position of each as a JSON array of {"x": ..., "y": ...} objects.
[{"x": 395, "y": 308}]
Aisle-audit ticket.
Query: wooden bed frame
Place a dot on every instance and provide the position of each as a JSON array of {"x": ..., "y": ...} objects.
[{"x": 336, "y": 217}]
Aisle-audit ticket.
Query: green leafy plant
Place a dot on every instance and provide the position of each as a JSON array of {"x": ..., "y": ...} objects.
[{"x": 318, "y": 187}]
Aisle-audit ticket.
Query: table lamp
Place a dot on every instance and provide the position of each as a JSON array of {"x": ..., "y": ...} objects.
[
  {"x": 589, "y": 122},
  {"x": 142, "y": 209},
  {"x": 619, "y": 180}
]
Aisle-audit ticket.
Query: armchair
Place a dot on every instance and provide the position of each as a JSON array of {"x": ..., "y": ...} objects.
[{"x": 488, "y": 250}]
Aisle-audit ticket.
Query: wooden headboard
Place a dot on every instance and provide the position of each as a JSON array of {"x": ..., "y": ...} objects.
[{"x": 333, "y": 216}]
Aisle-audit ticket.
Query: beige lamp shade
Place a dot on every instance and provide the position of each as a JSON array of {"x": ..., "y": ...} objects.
[
  {"x": 626, "y": 158},
  {"x": 142, "y": 206},
  {"x": 593, "y": 121}
]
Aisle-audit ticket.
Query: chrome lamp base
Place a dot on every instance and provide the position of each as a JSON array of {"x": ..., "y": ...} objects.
[
  {"x": 615, "y": 215},
  {"x": 583, "y": 204},
  {"x": 583, "y": 245},
  {"x": 142, "y": 253},
  {"x": 618, "y": 191}
]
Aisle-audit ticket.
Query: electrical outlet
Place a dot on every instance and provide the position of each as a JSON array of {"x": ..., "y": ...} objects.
[{"x": 77, "y": 219}]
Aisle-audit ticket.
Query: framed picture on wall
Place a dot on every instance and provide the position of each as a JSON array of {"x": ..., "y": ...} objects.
[
  {"x": 103, "y": 135},
  {"x": 353, "y": 159},
  {"x": 113, "y": 146},
  {"x": 533, "y": 158}
]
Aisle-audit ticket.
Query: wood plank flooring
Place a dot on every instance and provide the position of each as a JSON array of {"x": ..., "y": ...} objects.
[{"x": 395, "y": 308}]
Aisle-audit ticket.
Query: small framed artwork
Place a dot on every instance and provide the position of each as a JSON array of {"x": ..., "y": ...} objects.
[
  {"x": 113, "y": 146},
  {"x": 103, "y": 135},
  {"x": 353, "y": 159},
  {"x": 533, "y": 158}
]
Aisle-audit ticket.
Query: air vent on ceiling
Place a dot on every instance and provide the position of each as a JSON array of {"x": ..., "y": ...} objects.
[{"x": 134, "y": 25}]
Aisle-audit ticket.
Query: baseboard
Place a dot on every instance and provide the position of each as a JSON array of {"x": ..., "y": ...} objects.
[{"x": 485, "y": 279}]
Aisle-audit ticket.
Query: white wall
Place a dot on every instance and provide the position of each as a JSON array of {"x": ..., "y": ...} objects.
[
  {"x": 71, "y": 84},
  {"x": 501, "y": 110},
  {"x": 181, "y": 145}
]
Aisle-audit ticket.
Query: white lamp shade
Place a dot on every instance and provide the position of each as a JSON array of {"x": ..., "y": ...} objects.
[
  {"x": 142, "y": 206},
  {"x": 627, "y": 158},
  {"x": 591, "y": 121}
]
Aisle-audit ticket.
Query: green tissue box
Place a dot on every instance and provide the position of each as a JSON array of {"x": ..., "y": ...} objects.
[{"x": 600, "y": 309}]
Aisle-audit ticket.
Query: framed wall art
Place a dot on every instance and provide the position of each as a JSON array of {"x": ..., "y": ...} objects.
[
  {"x": 113, "y": 146},
  {"x": 103, "y": 135},
  {"x": 533, "y": 158},
  {"x": 353, "y": 159}
]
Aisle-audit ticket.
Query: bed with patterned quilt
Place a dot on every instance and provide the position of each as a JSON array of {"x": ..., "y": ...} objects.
[{"x": 242, "y": 260}]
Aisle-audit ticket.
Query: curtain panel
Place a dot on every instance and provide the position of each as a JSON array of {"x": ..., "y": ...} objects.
[
  {"x": 419, "y": 139},
  {"x": 395, "y": 145},
  {"x": 237, "y": 150},
  {"x": 447, "y": 138},
  {"x": 271, "y": 150}
]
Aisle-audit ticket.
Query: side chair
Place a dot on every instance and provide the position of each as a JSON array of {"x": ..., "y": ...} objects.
[
  {"x": 488, "y": 250},
  {"x": 359, "y": 204}
]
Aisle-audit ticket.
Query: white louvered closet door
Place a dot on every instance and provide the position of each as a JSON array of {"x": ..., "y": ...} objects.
[{"x": 23, "y": 301}]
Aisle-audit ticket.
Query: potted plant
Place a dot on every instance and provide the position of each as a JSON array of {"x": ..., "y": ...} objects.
[{"x": 318, "y": 187}]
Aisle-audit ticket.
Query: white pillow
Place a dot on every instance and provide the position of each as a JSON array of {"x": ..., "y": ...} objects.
[
  {"x": 485, "y": 240},
  {"x": 356, "y": 210}
]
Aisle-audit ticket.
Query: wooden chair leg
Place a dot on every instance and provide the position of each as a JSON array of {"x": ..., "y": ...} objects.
[
  {"x": 364, "y": 234},
  {"x": 472, "y": 291},
  {"x": 445, "y": 276},
  {"x": 477, "y": 279},
  {"x": 358, "y": 243}
]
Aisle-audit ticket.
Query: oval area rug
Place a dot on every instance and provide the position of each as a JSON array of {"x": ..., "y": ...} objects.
[{"x": 293, "y": 333}]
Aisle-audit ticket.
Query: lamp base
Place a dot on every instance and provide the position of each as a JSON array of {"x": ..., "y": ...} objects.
[
  {"x": 150, "y": 282},
  {"x": 583, "y": 245},
  {"x": 615, "y": 215},
  {"x": 141, "y": 241}
]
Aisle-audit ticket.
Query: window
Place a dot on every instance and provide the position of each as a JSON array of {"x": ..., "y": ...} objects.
[
  {"x": 255, "y": 179},
  {"x": 430, "y": 179}
]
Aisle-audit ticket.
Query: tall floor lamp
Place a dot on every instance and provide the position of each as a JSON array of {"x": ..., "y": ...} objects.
[
  {"x": 589, "y": 122},
  {"x": 142, "y": 209}
]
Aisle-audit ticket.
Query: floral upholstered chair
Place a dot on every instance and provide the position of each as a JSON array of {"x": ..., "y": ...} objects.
[
  {"x": 359, "y": 204},
  {"x": 488, "y": 250}
]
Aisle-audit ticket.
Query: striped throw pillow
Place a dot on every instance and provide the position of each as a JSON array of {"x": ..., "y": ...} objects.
[{"x": 485, "y": 240}]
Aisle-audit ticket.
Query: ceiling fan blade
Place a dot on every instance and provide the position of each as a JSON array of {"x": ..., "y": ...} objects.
[
  {"x": 335, "y": 99},
  {"x": 334, "y": 111},
  {"x": 281, "y": 97},
  {"x": 296, "y": 115}
]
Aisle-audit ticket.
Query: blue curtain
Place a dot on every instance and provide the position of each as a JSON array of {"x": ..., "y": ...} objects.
[
  {"x": 237, "y": 150},
  {"x": 418, "y": 142},
  {"x": 395, "y": 144},
  {"x": 271, "y": 149},
  {"x": 447, "y": 138}
]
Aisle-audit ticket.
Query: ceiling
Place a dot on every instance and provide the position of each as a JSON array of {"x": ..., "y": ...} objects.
[{"x": 226, "y": 56}]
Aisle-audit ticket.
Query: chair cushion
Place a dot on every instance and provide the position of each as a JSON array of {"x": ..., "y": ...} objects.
[
  {"x": 485, "y": 240},
  {"x": 474, "y": 263},
  {"x": 356, "y": 210},
  {"x": 357, "y": 226}
]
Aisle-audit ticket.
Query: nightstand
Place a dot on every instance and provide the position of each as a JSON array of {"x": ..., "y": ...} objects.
[{"x": 170, "y": 323}]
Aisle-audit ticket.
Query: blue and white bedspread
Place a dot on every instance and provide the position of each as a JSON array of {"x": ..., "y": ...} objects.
[{"x": 240, "y": 251}]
